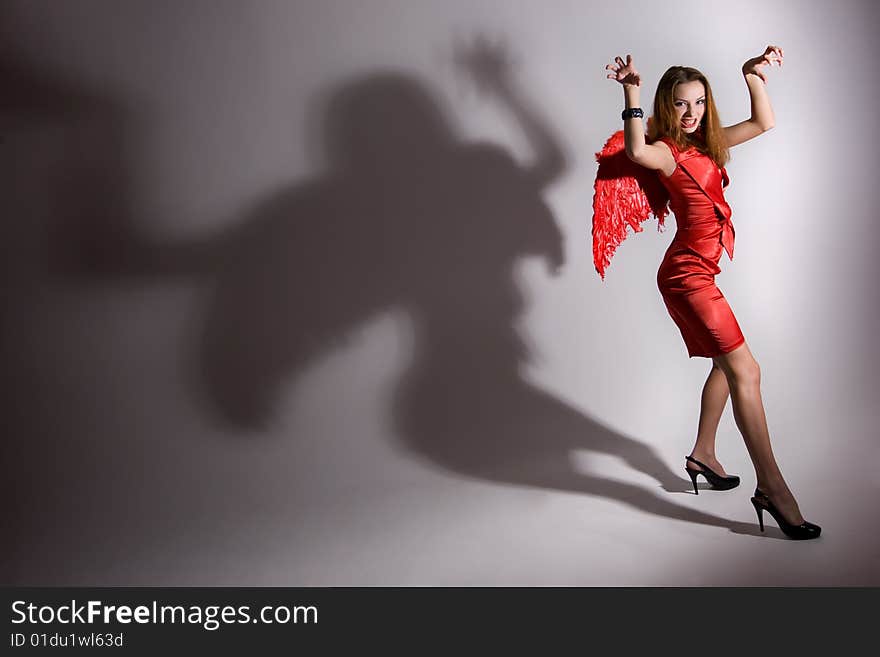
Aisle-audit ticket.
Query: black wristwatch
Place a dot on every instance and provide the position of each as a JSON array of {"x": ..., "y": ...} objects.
[{"x": 632, "y": 113}]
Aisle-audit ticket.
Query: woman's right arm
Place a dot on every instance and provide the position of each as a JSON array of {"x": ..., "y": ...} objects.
[{"x": 652, "y": 156}]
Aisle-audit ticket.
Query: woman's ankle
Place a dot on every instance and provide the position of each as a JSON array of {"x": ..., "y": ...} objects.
[
  {"x": 703, "y": 455},
  {"x": 773, "y": 486}
]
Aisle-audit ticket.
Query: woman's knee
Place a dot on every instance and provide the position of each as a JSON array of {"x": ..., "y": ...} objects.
[
  {"x": 747, "y": 372},
  {"x": 741, "y": 368}
]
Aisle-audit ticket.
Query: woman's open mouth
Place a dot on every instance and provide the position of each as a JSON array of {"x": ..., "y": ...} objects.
[{"x": 689, "y": 124}]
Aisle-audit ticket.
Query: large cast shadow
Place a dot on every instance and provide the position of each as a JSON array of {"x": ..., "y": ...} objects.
[
  {"x": 410, "y": 216},
  {"x": 406, "y": 215}
]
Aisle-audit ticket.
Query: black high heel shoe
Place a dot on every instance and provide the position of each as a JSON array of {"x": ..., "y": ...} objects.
[
  {"x": 802, "y": 532},
  {"x": 714, "y": 479}
]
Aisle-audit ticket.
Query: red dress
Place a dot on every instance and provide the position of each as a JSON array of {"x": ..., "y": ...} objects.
[{"x": 686, "y": 277}]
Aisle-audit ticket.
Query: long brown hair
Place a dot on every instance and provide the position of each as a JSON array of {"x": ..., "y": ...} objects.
[{"x": 709, "y": 138}]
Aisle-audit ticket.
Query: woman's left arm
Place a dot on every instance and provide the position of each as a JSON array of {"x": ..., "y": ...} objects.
[{"x": 762, "y": 118}]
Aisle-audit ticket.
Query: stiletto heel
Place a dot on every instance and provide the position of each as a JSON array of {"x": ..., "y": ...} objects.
[
  {"x": 715, "y": 480},
  {"x": 760, "y": 511},
  {"x": 804, "y": 531},
  {"x": 693, "y": 474}
]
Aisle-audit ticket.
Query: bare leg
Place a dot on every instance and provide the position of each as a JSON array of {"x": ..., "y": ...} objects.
[
  {"x": 712, "y": 403},
  {"x": 744, "y": 382}
]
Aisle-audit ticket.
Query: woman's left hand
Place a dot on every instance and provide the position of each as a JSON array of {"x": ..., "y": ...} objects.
[{"x": 755, "y": 64}]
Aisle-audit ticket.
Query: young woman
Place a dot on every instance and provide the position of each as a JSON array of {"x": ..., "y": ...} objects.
[{"x": 688, "y": 149}]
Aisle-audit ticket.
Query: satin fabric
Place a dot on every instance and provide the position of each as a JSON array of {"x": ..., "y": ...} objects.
[{"x": 686, "y": 277}]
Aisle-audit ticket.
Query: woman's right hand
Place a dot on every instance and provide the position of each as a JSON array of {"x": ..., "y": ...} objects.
[{"x": 626, "y": 73}]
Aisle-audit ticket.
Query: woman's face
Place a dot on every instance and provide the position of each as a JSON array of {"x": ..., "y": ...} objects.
[{"x": 689, "y": 99}]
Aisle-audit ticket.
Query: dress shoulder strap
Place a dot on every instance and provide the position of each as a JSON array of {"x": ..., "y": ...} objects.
[{"x": 677, "y": 153}]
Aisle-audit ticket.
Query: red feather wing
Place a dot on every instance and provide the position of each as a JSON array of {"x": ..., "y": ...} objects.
[{"x": 624, "y": 194}]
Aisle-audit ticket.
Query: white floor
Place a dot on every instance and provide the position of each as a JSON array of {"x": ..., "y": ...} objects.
[{"x": 133, "y": 483}]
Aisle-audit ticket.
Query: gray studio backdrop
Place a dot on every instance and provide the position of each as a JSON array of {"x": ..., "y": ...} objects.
[{"x": 302, "y": 293}]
